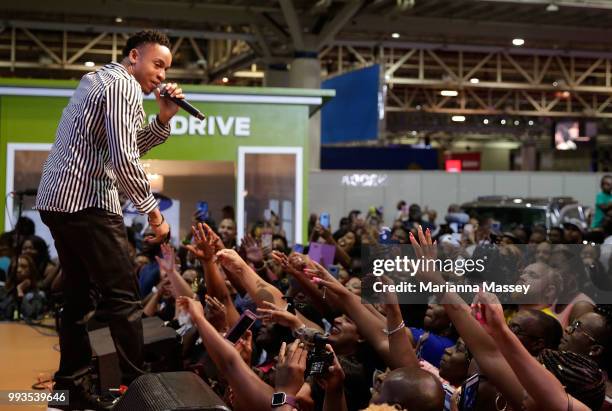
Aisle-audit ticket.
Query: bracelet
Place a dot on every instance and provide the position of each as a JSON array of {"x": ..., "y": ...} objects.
[
  {"x": 396, "y": 329},
  {"x": 157, "y": 225}
]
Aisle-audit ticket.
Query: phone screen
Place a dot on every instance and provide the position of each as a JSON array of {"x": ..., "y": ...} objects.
[
  {"x": 266, "y": 240},
  {"x": 203, "y": 208},
  {"x": 324, "y": 220},
  {"x": 469, "y": 392},
  {"x": 246, "y": 321}
]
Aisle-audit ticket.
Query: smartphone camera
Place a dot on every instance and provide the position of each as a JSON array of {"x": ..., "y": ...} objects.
[{"x": 319, "y": 359}]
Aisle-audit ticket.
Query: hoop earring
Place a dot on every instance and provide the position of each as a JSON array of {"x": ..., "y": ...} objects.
[{"x": 497, "y": 398}]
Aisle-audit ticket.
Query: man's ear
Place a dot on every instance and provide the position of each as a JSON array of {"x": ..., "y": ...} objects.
[{"x": 134, "y": 55}]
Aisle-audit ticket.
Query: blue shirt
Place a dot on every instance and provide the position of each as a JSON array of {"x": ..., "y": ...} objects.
[
  {"x": 601, "y": 199},
  {"x": 148, "y": 278},
  {"x": 432, "y": 349}
]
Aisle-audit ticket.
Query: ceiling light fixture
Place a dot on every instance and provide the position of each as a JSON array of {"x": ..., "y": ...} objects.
[
  {"x": 552, "y": 7},
  {"x": 518, "y": 42},
  {"x": 449, "y": 93}
]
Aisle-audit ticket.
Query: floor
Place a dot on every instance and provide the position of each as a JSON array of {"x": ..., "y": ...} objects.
[{"x": 27, "y": 354}]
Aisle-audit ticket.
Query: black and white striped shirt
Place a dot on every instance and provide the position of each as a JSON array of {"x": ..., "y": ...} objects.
[{"x": 98, "y": 145}]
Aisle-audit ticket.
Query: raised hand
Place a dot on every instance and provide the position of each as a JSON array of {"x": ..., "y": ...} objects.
[
  {"x": 334, "y": 378},
  {"x": 244, "y": 346},
  {"x": 253, "y": 251},
  {"x": 193, "y": 307},
  {"x": 426, "y": 249},
  {"x": 168, "y": 261},
  {"x": 320, "y": 276},
  {"x": 231, "y": 261},
  {"x": 489, "y": 312},
  {"x": 204, "y": 247},
  {"x": 274, "y": 314},
  {"x": 290, "y": 367},
  {"x": 216, "y": 313}
]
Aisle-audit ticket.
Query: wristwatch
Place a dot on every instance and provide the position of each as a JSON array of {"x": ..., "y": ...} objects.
[{"x": 280, "y": 398}]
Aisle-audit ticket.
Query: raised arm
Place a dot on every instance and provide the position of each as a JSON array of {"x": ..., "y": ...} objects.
[
  {"x": 250, "y": 391},
  {"x": 257, "y": 288},
  {"x": 167, "y": 268},
  {"x": 206, "y": 244},
  {"x": 541, "y": 385}
]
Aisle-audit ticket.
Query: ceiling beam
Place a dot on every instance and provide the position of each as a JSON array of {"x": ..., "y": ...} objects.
[
  {"x": 294, "y": 23},
  {"x": 333, "y": 27},
  {"x": 97, "y": 28},
  {"x": 446, "y": 29}
]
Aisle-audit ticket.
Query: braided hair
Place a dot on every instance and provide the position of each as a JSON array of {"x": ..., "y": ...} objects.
[
  {"x": 580, "y": 375},
  {"x": 605, "y": 310}
]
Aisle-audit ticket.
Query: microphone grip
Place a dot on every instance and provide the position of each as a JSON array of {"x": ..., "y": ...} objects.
[{"x": 183, "y": 104}]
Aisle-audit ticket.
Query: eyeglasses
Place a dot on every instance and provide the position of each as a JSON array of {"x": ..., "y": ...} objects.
[{"x": 578, "y": 325}]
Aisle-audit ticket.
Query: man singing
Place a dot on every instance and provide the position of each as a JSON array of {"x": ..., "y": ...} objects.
[{"x": 97, "y": 150}]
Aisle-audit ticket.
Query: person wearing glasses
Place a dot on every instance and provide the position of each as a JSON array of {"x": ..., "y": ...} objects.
[{"x": 591, "y": 335}]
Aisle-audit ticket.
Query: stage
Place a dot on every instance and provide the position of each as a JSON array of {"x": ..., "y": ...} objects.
[{"x": 27, "y": 353}]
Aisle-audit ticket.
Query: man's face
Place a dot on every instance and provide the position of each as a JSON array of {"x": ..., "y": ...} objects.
[
  {"x": 556, "y": 236},
  {"x": 606, "y": 185},
  {"x": 583, "y": 334},
  {"x": 343, "y": 333},
  {"x": 573, "y": 235},
  {"x": 525, "y": 326},
  {"x": 543, "y": 252},
  {"x": 227, "y": 230},
  {"x": 149, "y": 64},
  {"x": 535, "y": 275}
]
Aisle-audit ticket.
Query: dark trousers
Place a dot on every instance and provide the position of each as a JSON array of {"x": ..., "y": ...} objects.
[{"x": 98, "y": 277}]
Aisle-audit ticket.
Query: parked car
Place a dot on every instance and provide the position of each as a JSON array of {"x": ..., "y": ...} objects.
[{"x": 510, "y": 212}]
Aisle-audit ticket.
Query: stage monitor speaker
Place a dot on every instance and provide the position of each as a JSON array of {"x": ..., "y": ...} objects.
[
  {"x": 168, "y": 392},
  {"x": 162, "y": 350}
]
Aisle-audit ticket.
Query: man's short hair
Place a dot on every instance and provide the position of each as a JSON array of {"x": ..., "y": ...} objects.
[{"x": 145, "y": 37}]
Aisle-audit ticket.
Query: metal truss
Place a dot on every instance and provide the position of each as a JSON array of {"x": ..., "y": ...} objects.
[
  {"x": 487, "y": 80},
  {"x": 61, "y": 50}
]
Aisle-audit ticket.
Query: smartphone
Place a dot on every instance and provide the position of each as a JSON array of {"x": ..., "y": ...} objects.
[
  {"x": 267, "y": 214},
  {"x": 298, "y": 248},
  {"x": 246, "y": 321},
  {"x": 202, "y": 208},
  {"x": 469, "y": 392},
  {"x": 334, "y": 270},
  {"x": 266, "y": 240},
  {"x": 324, "y": 220},
  {"x": 385, "y": 236}
]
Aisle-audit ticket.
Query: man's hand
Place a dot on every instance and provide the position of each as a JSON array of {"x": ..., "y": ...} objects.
[
  {"x": 160, "y": 228},
  {"x": 167, "y": 108}
]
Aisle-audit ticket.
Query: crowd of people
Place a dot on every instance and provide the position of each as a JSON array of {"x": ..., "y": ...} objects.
[{"x": 316, "y": 346}]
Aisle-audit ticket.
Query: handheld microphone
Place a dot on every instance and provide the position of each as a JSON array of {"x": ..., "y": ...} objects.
[{"x": 181, "y": 103}]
